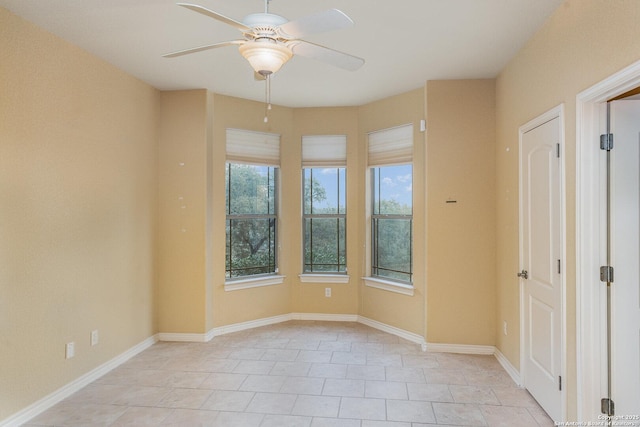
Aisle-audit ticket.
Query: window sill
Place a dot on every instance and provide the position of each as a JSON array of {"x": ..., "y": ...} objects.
[
  {"x": 323, "y": 278},
  {"x": 253, "y": 282},
  {"x": 388, "y": 285}
]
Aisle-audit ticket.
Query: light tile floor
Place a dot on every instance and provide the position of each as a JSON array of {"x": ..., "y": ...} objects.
[{"x": 300, "y": 374}]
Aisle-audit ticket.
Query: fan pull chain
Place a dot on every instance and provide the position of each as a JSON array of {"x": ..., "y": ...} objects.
[{"x": 267, "y": 97}]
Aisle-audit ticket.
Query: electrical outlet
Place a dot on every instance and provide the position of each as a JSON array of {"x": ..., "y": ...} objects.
[
  {"x": 327, "y": 292},
  {"x": 94, "y": 337},
  {"x": 69, "y": 350},
  {"x": 504, "y": 327}
]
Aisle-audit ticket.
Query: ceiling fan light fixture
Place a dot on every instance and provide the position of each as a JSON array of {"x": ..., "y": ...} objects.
[{"x": 265, "y": 57}]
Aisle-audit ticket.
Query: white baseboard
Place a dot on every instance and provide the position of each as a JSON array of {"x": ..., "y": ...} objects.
[
  {"x": 180, "y": 337},
  {"x": 243, "y": 326},
  {"x": 511, "y": 370},
  {"x": 461, "y": 348},
  {"x": 409, "y": 336},
  {"x": 67, "y": 390},
  {"x": 47, "y": 402},
  {"x": 325, "y": 317},
  {"x": 479, "y": 349},
  {"x": 236, "y": 327}
]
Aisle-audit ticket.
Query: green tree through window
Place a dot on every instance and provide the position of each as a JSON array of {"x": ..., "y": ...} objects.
[
  {"x": 251, "y": 202},
  {"x": 324, "y": 217},
  {"x": 392, "y": 222}
]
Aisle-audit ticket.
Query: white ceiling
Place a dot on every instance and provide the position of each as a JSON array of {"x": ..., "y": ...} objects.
[{"x": 404, "y": 43}]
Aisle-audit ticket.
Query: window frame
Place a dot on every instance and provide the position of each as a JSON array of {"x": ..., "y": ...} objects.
[
  {"x": 307, "y": 275},
  {"x": 373, "y": 232},
  {"x": 261, "y": 279},
  {"x": 392, "y": 146}
]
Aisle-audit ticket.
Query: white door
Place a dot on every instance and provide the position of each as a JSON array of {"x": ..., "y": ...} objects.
[
  {"x": 541, "y": 258},
  {"x": 625, "y": 257}
]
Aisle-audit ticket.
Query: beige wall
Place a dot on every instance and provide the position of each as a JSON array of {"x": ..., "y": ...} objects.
[
  {"x": 401, "y": 311},
  {"x": 292, "y": 296},
  {"x": 182, "y": 214},
  {"x": 256, "y": 303},
  {"x": 90, "y": 180},
  {"x": 582, "y": 43},
  {"x": 461, "y": 248},
  {"x": 463, "y": 115},
  {"x": 309, "y": 297},
  {"x": 78, "y": 188}
]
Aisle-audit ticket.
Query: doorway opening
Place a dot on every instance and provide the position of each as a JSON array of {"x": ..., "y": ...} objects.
[{"x": 596, "y": 224}]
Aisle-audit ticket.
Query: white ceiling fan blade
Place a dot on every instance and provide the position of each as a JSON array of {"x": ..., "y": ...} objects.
[
  {"x": 215, "y": 15},
  {"x": 201, "y": 48},
  {"x": 321, "y": 22},
  {"x": 325, "y": 54}
]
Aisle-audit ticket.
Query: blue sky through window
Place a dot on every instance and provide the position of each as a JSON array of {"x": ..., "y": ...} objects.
[
  {"x": 396, "y": 183},
  {"x": 329, "y": 178}
]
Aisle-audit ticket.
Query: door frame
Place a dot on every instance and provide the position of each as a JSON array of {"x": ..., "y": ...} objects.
[
  {"x": 591, "y": 235},
  {"x": 555, "y": 112}
]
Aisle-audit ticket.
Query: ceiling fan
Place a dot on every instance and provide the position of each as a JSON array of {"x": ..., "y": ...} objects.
[{"x": 271, "y": 40}]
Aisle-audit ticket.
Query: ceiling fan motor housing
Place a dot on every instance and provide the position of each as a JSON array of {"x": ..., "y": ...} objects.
[{"x": 264, "y": 22}]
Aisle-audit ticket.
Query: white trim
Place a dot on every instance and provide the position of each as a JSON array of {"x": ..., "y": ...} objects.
[
  {"x": 49, "y": 401},
  {"x": 388, "y": 285},
  {"x": 181, "y": 337},
  {"x": 323, "y": 278},
  {"x": 589, "y": 296},
  {"x": 243, "y": 326},
  {"x": 461, "y": 348},
  {"x": 481, "y": 350},
  {"x": 252, "y": 282},
  {"x": 68, "y": 389},
  {"x": 409, "y": 336},
  {"x": 325, "y": 317},
  {"x": 556, "y": 112},
  {"x": 589, "y": 301},
  {"x": 507, "y": 366},
  {"x": 564, "y": 262}
]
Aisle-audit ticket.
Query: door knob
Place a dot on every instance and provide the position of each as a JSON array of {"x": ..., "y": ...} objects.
[{"x": 524, "y": 274}]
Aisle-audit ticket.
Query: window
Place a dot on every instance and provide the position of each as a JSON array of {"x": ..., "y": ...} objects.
[
  {"x": 391, "y": 222},
  {"x": 251, "y": 179},
  {"x": 324, "y": 220},
  {"x": 390, "y": 155},
  {"x": 251, "y": 219},
  {"x": 324, "y": 204}
]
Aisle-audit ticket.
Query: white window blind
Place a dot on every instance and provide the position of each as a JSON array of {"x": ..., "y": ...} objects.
[
  {"x": 244, "y": 146},
  {"x": 391, "y": 146},
  {"x": 324, "y": 150}
]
